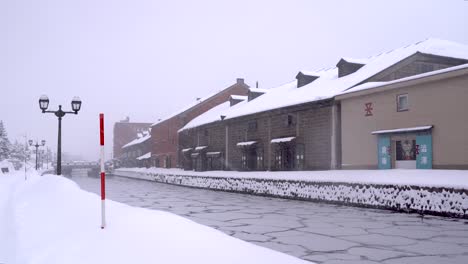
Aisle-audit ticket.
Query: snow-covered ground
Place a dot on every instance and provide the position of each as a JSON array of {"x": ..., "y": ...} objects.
[
  {"x": 49, "y": 219},
  {"x": 441, "y": 192}
]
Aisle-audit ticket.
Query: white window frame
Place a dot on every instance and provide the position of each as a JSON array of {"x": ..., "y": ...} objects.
[{"x": 399, "y": 108}]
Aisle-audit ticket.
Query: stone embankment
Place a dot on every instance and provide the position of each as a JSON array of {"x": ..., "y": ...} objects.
[{"x": 446, "y": 201}]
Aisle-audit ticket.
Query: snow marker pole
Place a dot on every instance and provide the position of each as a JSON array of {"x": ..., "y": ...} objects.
[{"x": 103, "y": 173}]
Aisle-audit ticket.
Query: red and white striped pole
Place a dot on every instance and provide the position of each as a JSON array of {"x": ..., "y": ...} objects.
[{"x": 103, "y": 173}]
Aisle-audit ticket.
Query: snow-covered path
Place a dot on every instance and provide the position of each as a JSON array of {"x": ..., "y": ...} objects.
[
  {"x": 49, "y": 219},
  {"x": 322, "y": 233}
]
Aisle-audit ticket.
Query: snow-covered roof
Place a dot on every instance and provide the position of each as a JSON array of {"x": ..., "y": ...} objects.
[
  {"x": 281, "y": 140},
  {"x": 189, "y": 106},
  {"x": 186, "y": 149},
  {"x": 328, "y": 85},
  {"x": 371, "y": 85},
  {"x": 145, "y": 156},
  {"x": 247, "y": 143},
  {"x": 201, "y": 148},
  {"x": 137, "y": 141},
  {"x": 238, "y": 97},
  {"x": 358, "y": 61},
  {"x": 258, "y": 90},
  {"x": 401, "y": 130},
  {"x": 212, "y": 115}
]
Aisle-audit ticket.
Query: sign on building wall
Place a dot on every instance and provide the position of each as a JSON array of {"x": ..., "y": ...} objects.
[
  {"x": 424, "y": 152},
  {"x": 384, "y": 154},
  {"x": 368, "y": 108}
]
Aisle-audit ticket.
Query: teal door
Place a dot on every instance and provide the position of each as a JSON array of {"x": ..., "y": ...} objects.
[
  {"x": 383, "y": 152},
  {"x": 424, "y": 152}
]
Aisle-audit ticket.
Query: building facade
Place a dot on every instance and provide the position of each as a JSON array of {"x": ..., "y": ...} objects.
[
  {"x": 414, "y": 123},
  {"x": 299, "y": 137}
]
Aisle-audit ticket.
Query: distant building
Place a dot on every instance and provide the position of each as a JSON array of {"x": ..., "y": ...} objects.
[
  {"x": 137, "y": 153},
  {"x": 124, "y": 132},
  {"x": 165, "y": 150}
]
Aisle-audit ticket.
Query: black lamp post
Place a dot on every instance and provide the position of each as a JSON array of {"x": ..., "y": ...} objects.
[
  {"x": 76, "y": 106},
  {"x": 37, "y": 147}
]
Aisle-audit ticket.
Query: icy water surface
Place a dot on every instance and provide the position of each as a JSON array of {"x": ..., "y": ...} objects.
[{"x": 318, "y": 232}]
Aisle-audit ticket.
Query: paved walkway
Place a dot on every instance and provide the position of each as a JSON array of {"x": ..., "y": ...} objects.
[{"x": 319, "y": 232}]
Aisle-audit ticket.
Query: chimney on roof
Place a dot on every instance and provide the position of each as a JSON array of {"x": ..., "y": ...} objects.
[
  {"x": 256, "y": 85},
  {"x": 240, "y": 81},
  {"x": 304, "y": 79},
  {"x": 347, "y": 67}
]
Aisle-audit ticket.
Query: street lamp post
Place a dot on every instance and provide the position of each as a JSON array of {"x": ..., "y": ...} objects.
[
  {"x": 37, "y": 145},
  {"x": 76, "y": 106}
]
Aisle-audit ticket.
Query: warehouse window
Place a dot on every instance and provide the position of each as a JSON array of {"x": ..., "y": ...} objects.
[
  {"x": 252, "y": 126},
  {"x": 402, "y": 102},
  {"x": 289, "y": 120}
]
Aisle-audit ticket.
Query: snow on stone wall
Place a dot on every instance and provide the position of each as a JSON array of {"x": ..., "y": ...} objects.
[{"x": 427, "y": 200}]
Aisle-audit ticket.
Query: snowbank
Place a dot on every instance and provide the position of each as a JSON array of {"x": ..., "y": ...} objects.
[
  {"x": 49, "y": 219},
  {"x": 438, "y": 192}
]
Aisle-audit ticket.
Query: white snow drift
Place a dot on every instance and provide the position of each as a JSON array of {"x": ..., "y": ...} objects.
[{"x": 49, "y": 219}]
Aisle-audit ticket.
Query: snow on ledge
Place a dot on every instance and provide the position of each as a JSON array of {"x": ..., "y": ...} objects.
[
  {"x": 213, "y": 154},
  {"x": 280, "y": 140},
  {"x": 186, "y": 150},
  {"x": 145, "y": 156},
  {"x": 239, "y": 97},
  {"x": 247, "y": 143},
  {"x": 137, "y": 141},
  {"x": 201, "y": 148},
  {"x": 399, "y": 130},
  {"x": 258, "y": 90}
]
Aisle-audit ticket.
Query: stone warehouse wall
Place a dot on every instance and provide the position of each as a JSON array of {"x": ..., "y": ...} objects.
[{"x": 426, "y": 200}]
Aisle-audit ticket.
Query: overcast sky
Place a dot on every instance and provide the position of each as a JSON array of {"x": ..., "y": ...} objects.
[{"x": 146, "y": 59}]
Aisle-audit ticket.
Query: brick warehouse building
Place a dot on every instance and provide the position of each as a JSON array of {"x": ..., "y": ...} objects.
[
  {"x": 299, "y": 125},
  {"x": 164, "y": 137},
  {"x": 124, "y": 131}
]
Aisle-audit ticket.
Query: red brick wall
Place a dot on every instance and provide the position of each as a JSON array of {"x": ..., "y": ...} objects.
[
  {"x": 164, "y": 135},
  {"x": 124, "y": 132}
]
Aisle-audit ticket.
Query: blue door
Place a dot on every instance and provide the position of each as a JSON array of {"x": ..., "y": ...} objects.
[
  {"x": 383, "y": 152},
  {"x": 424, "y": 152}
]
